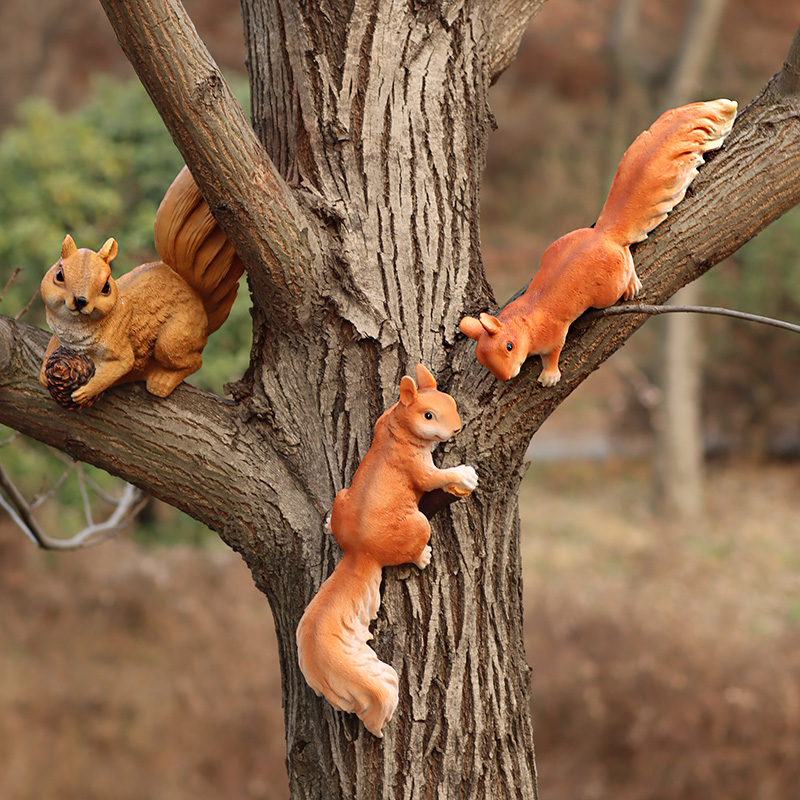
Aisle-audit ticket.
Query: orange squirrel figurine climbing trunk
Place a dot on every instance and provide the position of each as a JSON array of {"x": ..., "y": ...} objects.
[
  {"x": 593, "y": 267},
  {"x": 153, "y": 322},
  {"x": 377, "y": 523}
]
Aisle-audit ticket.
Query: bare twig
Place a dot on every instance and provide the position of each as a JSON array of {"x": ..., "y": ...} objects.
[
  {"x": 10, "y": 439},
  {"x": 43, "y": 496},
  {"x": 127, "y": 506},
  {"x": 644, "y": 308},
  {"x": 26, "y": 308},
  {"x": 10, "y": 281}
]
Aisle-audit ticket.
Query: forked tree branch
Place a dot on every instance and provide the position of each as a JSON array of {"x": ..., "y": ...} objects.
[
  {"x": 750, "y": 182},
  {"x": 190, "y": 449},
  {"x": 125, "y": 509},
  {"x": 247, "y": 195}
]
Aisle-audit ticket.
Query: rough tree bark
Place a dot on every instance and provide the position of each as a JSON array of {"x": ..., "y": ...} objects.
[{"x": 353, "y": 201}]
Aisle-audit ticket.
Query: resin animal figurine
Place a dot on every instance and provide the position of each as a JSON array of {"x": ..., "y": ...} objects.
[
  {"x": 377, "y": 523},
  {"x": 593, "y": 267},
  {"x": 152, "y": 323}
]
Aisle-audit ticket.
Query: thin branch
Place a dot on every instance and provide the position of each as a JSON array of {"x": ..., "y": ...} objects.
[
  {"x": 127, "y": 506},
  {"x": 750, "y": 182},
  {"x": 87, "y": 504},
  {"x": 43, "y": 497},
  {"x": 18, "y": 508},
  {"x": 14, "y": 435},
  {"x": 645, "y": 308},
  {"x": 10, "y": 281},
  {"x": 24, "y": 310}
]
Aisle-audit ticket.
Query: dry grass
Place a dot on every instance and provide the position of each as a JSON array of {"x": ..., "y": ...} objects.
[{"x": 666, "y": 659}]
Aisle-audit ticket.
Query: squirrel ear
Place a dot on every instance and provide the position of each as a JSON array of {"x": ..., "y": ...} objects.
[
  {"x": 108, "y": 251},
  {"x": 491, "y": 324},
  {"x": 424, "y": 378},
  {"x": 68, "y": 247},
  {"x": 408, "y": 391},
  {"x": 471, "y": 327}
]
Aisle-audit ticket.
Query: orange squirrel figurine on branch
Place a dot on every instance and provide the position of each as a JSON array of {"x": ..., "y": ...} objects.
[
  {"x": 153, "y": 322},
  {"x": 593, "y": 267},
  {"x": 377, "y": 523}
]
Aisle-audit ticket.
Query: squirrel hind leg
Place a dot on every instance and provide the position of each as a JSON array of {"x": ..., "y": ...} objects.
[{"x": 162, "y": 382}]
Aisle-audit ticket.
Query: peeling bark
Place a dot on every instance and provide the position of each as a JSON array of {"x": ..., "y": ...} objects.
[{"x": 372, "y": 122}]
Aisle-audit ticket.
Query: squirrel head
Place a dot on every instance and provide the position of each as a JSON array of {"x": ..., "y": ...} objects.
[
  {"x": 79, "y": 284},
  {"x": 426, "y": 412},
  {"x": 500, "y": 348}
]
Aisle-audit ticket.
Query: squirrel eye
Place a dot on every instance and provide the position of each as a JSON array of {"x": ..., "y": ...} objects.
[
  {"x": 60, "y": 276},
  {"x": 428, "y": 415},
  {"x": 509, "y": 346},
  {"x": 106, "y": 288}
]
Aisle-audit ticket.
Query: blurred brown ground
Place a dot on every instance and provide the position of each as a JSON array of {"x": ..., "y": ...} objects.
[{"x": 666, "y": 659}]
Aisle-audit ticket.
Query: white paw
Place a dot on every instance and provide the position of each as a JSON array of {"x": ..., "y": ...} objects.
[
  {"x": 549, "y": 377},
  {"x": 467, "y": 477},
  {"x": 424, "y": 557},
  {"x": 328, "y": 528},
  {"x": 634, "y": 287}
]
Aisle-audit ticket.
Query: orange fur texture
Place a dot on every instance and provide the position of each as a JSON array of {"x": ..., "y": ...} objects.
[
  {"x": 593, "y": 267},
  {"x": 377, "y": 523},
  {"x": 152, "y": 323}
]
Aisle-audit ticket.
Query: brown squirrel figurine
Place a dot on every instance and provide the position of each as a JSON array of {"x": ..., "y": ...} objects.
[
  {"x": 152, "y": 323},
  {"x": 377, "y": 523},
  {"x": 593, "y": 267}
]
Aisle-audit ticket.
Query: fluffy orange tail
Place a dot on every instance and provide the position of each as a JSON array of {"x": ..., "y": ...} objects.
[
  {"x": 658, "y": 167},
  {"x": 189, "y": 239},
  {"x": 332, "y": 644}
]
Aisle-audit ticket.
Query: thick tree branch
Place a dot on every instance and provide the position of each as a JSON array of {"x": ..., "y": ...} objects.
[
  {"x": 190, "y": 449},
  {"x": 787, "y": 82},
  {"x": 508, "y": 20},
  {"x": 744, "y": 187},
  {"x": 246, "y": 193}
]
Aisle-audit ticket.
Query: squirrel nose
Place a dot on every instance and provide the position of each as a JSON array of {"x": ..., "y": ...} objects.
[{"x": 80, "y": 302}]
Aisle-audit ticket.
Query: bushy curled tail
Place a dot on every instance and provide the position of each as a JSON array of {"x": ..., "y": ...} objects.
[
  {"x": 658, "y": 167},
  {"x": 332, "y": 645},
  {"x": 190, "y": 241}
]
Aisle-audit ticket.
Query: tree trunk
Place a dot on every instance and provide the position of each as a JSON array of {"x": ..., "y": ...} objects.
[
  {"x": 679, "y": 453},
  {"x": 355, "y": 211},
  {"x": 680, "y": 442}
]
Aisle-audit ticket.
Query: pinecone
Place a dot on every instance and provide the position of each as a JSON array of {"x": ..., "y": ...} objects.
[{"x": 65, "y": 371}]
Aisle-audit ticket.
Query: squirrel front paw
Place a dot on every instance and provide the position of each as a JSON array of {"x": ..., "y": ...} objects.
[
  {"x": 633, "y": 288},
  {"x": 549, "y": 377},
  {"x": 424, "y": 557},
  {"x": 465, "y": 482},
  {"x": 82, "y": 395}
]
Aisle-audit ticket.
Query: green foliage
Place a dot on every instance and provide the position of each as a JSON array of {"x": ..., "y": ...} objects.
[{"x": 95, "y": 172}]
